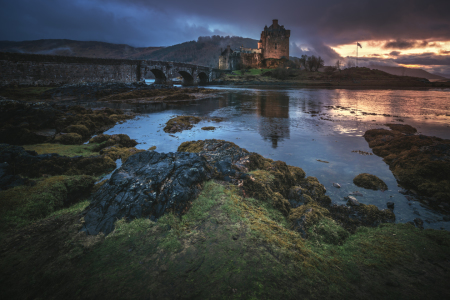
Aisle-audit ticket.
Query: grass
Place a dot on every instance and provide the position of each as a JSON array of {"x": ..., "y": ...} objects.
[
  {"x": 64, "y": 150},
  {"x": 225, "y": 247}
]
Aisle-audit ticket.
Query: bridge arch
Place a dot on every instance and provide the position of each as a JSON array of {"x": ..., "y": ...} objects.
[
  {"x": 203, "y": 78},
  {"x": 160, "y": 77},
  {"x": 188, "y": 79}
]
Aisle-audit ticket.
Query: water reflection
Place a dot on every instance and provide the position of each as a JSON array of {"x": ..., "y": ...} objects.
[{"x": 273, "y": 111}]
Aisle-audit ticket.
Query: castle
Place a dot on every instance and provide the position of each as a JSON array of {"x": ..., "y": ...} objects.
[{"x": 274, "y": 43}]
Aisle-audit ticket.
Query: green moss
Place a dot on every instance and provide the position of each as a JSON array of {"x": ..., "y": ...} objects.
[
  {"x": 64, "y": 150},
  {"x": 225, "y": 247},
  {"x": 23, "y": 204},
  {"x": 209, "y": 128},
  {"x": 327, "y": 231}
]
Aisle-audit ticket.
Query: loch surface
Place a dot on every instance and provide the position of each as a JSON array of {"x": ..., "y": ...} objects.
[{"x": 318, "y": 130}]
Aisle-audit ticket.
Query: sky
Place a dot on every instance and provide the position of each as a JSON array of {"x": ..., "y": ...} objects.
[{"x": 411, "y": 33}]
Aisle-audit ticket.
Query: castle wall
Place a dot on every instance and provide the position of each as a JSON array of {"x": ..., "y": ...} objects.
[
  {"x": 253, "y": 60},
  {"x": 276, "y": 47},
  {"x": 33, "y": 69}
]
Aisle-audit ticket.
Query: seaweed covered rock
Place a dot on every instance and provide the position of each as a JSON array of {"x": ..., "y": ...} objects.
[
  {"x": 180, "y": 123},
  {"x": 69, "y": 139},
  {"x": 148, "y": 184},
  {"x": 420, "y": 163},
  {"x": 106, "y": 140},
  {"x": 30, "y": 164},
  {"x": 25, "y": 123},
  {"x": 369, "y": 181},
  {"x": 403, "y": 128}
]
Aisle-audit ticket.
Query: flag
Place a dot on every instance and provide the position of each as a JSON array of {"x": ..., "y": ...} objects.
[{"x": 358, "y": 44}]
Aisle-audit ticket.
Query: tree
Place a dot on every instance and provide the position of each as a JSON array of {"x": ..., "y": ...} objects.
[
  {"x": 338, "y": 65},
  {"x": 319, "y": 63},
  {"x": 311, "y": 62},
  {"x": 303, "y": 60}
]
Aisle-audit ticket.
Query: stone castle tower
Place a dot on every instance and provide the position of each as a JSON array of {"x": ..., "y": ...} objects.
[{"x": 274, "y": 43}]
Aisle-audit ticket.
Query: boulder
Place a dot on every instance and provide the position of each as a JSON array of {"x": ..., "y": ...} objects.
[
  {"x": 148, "y": 185},
  {"x": 369, "y": 181}
]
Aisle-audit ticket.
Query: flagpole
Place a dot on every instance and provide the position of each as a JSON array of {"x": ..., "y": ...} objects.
[{"x": 356, "y": 54}]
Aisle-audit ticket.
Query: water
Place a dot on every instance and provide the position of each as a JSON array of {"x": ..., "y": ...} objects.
[{"x": 302, "y": 126}]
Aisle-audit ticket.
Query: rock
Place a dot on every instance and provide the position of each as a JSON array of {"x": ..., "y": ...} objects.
[
  {"x": 418, "y": 222},
  {"x": 148, "y": 185},
  {"x": 180, "y": 123},
  {"x": 9, "y": 180},
  {"x": 369, "y": 181},
  {"x": 403, "y": 128},
  {"x": 418, "y": 162},
  {"x": 352, "y": 201},
  {"x": 390, "y": 205},
  {"x": 69, "y": 139},
  {"x": 336, "y": 185}
]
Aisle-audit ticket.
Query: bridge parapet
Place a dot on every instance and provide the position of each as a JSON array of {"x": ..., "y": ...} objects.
[{"x": 192, "y": 74}]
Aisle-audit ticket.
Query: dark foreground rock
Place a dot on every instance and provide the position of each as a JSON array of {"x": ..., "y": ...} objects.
[
  {"x": 148, "y": 185},
  {"x": 420, "y": 163}
]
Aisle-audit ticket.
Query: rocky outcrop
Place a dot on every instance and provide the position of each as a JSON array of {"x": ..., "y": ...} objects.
[
  {"x": 148, "y": 185},
  {"x": 420, "y": 163}
]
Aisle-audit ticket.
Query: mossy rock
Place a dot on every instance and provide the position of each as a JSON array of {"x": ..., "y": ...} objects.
[
  {"x": 23, "y": 204},
  {"x": 181, "y": 123},
  {"x": 80, "y": 129},
  {"x": 369, "y": 181},
  {"x": 209, "y": 128},
  {"x": 116, "y": 152},
  {"x": 192, "y": 146},
  {"x": 69, "y": 139}
]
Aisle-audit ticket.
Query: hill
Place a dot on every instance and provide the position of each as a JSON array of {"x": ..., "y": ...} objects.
[
  {"x": 402, "y": 71},
  {"x": 77, "y": 48},
  {"x": 205, "y": 51}
]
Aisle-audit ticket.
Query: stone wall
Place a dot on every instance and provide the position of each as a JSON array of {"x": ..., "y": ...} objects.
[
  {"x": 252, "y": 60},
  {"x": 34, "y": 69}
]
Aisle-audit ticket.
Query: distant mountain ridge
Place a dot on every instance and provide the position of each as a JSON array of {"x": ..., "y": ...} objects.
[
  {"x": 205, "y": 51},
  {"x": 402, "y": 71},
  {"x": 77, "y": 48}
]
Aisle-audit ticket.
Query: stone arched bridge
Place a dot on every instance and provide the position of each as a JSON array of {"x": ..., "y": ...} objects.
[{"x": 164, "y": 71}]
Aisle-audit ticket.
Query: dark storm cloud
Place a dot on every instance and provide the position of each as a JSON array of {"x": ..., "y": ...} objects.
[
  {"x": 400, "y": 44},
  {"x": 423, "y": 59},
  {"x": 394, "y": 53},
  {"x": 318, "y": 24}
]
